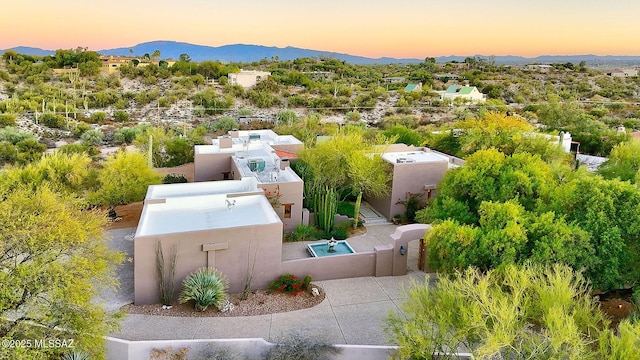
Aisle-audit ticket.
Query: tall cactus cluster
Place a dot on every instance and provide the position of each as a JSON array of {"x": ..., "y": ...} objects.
[{"x": 325, "y": 208}]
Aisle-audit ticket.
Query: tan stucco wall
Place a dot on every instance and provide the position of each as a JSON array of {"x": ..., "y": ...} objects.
[
  {"x": 264, "y": 242},
  {"x": 410, "y": 177},
  {"x": 291, "y": 193},
  {"x": 211, "y": 166},
  {"x": 333, "y": 267}
]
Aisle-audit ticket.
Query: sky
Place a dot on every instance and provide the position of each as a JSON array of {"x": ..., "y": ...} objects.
[{"x": 371, "y": 28}]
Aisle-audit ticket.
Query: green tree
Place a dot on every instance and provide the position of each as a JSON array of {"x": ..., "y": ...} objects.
[
  {"x": 348, "y": 163},
  {"x": 123, "y": 179},
  {"x": 63, "y": 173},
  {"x": 403, "y": 135},
  {"x": 53, "y": 262},
  {"x": 607, "y": 210},
  {"x": 489, "y": 175},
  {"x": 529, "y": 312},
  {"x": 623, "y": 162}
]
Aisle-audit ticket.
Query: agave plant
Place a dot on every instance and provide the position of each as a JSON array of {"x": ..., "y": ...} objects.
[
  {"x": 76, "y": 355},
  {"x": 206, "y": 287}
]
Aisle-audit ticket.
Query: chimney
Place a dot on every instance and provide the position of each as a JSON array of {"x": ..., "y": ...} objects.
[
  {"x": 234, "y": 133},
  {"x": 284, "y": 163}
]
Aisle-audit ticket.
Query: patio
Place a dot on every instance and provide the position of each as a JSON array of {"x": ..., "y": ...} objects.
[{"x": 376, "y": 235}]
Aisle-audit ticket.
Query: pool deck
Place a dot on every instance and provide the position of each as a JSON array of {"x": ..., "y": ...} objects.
[{"x": 353, "y": 311}]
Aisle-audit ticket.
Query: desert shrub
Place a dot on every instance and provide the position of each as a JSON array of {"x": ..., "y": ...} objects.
[
  {"x": 169, "y": 354},
  {"x": 340, "y": 232},
  {"x": 287, "y": 283},
  {"x": 174, "y": 179},
  {"x": 225, "y": 124},
  {"x": 304, "y": 233},
  {"x": 346, "y": 208},
  {"x": 121, "y": 115},
  {"x": 245, "y": 112},
  {"x": 412, "y": 203},
  {"x": 78, "y": 149},
  {"x": 126, "y": 135},
  {"x": 206, "y": 287},
  {"x": 7, "y": 120},
  {"x": 92, "y": 137},
  {"x": 217, "y": 352},
  {"x": 80, "y": 128},
  {"x": 301, "y": 348},
  {"x": 52, "y": 120},
  {"x": 306, "y": 281},
  {"x": 99, "y": 117}
]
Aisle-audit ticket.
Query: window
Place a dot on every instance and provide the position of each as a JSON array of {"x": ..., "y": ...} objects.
[{"x": 287, "y": 211}]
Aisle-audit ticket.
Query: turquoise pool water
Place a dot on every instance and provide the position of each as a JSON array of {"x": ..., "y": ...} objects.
[{"x": 322, "y": 249}]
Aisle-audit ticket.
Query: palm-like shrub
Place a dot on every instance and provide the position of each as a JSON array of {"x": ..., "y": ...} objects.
[{"x": 206, "y": 287}]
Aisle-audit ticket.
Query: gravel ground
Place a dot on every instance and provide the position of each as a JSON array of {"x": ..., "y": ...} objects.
[{"x": 259, "y": 302}]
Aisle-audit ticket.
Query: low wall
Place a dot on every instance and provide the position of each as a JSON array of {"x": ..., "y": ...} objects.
[
  {"x": 249, "y": 349},
  {"x": 186, "y": 170},
  {"x": 333, "y": 267},
  {"x": 384, "y": 260}
]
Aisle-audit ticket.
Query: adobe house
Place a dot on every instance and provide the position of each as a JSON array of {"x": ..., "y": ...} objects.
[
  {"x": 231, "y": 226},
  {"x": 223, "y": 225},
  {"x": 247, "y": 78},
  {"x": 262, "y": 155},
  {"x": 416, "y": 170}
]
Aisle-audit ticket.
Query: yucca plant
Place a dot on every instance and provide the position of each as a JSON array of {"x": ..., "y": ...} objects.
[{"x": 206, "y": 287}]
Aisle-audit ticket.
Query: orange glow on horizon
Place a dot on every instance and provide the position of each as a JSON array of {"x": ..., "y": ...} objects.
[{"x": 363, "y": 28}]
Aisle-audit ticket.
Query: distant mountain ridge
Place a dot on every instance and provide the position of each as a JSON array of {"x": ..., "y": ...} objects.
[{"x": 251, "y": 53}]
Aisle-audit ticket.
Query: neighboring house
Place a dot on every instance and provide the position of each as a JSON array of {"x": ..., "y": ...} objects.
[
  {"x": 414, "y": 170},
  {"x": 564, "y": 139},
  {"x": 447, "y": 76},
  {"x": 538, "y": 67},
  {"x": 623, "y": 73},
  {"x": 112, "y": 63},
  {"x": 394, "y": 79},
  {"x": 468, "y": 93},
  {"x": 413, "y": 87},
  {"x": 262, "y": 155},
  {"x": 246, "y": 78}
]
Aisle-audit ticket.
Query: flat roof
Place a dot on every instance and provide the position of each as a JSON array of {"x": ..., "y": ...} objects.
[
  {"x": 418, "y": 156},
  {"x": 166, "y": 191},
  {"x": 205, "y": 212}
]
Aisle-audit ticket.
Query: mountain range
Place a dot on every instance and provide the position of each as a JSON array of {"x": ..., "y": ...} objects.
[{"x": 251, "y": 53}]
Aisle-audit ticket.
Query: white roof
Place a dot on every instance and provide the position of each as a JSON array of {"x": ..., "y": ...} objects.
[
  {"x": 205, "y": 212},
  {"x": 166, "y": 191},
  {"x": 418, "y": 156}
]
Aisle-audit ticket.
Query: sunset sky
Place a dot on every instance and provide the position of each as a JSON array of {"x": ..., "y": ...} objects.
[{"x": 372, "y": 28}]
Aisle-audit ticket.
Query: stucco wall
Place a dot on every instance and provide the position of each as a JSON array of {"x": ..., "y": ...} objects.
[
  {"x": 332, "y": 267},
  {"x": 211, "y": 166},
  {"x": 412, "y": 178},
  {"x": 264, "y": 242},
  {"x": 409, "y": 177}
]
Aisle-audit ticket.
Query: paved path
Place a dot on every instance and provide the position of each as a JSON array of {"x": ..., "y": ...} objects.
[{"x": 353, "y": 311}]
